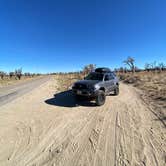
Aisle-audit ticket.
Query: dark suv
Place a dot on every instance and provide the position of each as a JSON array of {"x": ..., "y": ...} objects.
[{"x": 97, "y": 85}]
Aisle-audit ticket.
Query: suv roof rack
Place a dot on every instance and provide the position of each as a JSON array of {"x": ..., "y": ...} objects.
[{"x": 102, "y": 70}]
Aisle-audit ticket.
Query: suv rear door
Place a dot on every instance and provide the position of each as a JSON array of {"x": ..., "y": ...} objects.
[
  {"x": 107, "y": 82},
  {"x": 111, "y": 82}
]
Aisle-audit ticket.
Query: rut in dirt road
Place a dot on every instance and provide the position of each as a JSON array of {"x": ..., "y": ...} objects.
[{"x": 122, "y": 132}]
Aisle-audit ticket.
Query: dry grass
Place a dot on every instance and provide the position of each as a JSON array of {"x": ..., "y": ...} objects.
[
  {"x": 153, "y": 84},
  {"x": 7, "y": 81},
  {"x": 65, "y": 81}
]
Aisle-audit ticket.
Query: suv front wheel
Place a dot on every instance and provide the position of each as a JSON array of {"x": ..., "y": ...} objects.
[{"x": 100, "y": 98}]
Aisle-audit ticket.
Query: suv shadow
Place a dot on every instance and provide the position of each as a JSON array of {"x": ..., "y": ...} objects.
[{"x": 67, "y": 99}]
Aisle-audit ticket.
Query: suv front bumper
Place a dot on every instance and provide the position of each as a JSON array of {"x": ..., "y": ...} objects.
[{"x": 84, "y": 92}]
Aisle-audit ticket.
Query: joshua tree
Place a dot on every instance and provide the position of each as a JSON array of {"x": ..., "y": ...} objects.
[
  {"x": 18, "y": 73},
  {"x": 131, "y": 63}
]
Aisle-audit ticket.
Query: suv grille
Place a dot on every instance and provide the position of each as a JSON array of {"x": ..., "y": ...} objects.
[{"x": 80, "y": 86}]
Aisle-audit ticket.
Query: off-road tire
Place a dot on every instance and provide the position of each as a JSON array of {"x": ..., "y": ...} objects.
[
  {"x": 116, "y": 91},
  {"x": 100, "y": 98}
]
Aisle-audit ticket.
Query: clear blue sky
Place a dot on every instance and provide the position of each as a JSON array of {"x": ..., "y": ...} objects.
[{"x": 64, "y": 35}]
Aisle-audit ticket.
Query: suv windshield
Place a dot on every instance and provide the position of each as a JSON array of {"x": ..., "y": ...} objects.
[{"x": 95, "y": 76}]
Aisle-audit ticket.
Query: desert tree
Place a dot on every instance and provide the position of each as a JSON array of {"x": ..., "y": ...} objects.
[
  {"x": 11, "y": 74},
  {"x": 116, "y": 70},
  {"x": 137, "y": 69},
  {"x": 88, "y": 68},
  {"x": 27, "y": 74},
  {"x": 2, "y": 74},
  {"x": 33, "y": 74},
  {"x": 85, "y": 70},
  {"x": 161, "y": 66},
  {"x": 131, "y": 63},
  {"x": 92, "y": 67},
  {"x": 125, "y": 70},
  {"x": 147, "y": 67},
  {"x": 121, "y": 70},
  {"x": 18, "y": 73},
  {"x": 153, "y": 66}
]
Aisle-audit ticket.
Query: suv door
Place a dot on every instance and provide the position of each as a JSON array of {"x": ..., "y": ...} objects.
[
  {"x": 111, "y": 82},
  {"x": 107, "y": 82}
]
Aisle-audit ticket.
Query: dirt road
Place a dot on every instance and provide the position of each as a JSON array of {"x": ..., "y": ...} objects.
[
  {"x": 11, "y": 92},
  {"x": 40, "y": 129}
]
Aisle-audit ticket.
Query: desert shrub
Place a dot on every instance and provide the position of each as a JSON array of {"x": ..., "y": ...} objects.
[
  {"x": 122, "y": 77},
  {"x": 132, "y": 80}
]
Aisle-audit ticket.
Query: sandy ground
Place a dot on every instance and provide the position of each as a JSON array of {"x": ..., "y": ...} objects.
[{"x": 40, "y": 129}]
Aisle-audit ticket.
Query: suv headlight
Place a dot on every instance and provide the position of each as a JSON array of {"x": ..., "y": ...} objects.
[
  {"x": 96, "y": 87},
  {"x": 73, "y": 85}
]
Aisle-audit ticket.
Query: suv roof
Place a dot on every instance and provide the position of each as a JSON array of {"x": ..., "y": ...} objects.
[{"x": 102, "y": 70}]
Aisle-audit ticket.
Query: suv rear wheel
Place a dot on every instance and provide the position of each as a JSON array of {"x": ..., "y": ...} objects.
[
  {"x": 116, "y": 90},
  {"x": 100, "y": 98}
]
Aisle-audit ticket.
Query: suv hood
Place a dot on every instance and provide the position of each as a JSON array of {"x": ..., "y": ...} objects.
[{"x": 88, "y": 82}]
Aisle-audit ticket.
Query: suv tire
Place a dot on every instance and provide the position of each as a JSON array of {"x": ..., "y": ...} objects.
[
  {"x": 100, "y": 98},
  {"x": 116, "y": 91}
]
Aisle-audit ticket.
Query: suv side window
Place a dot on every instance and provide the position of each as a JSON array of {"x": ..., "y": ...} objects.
[
  {"x": 111, "y": 76},
  {"x": 107, "y": 78}
]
